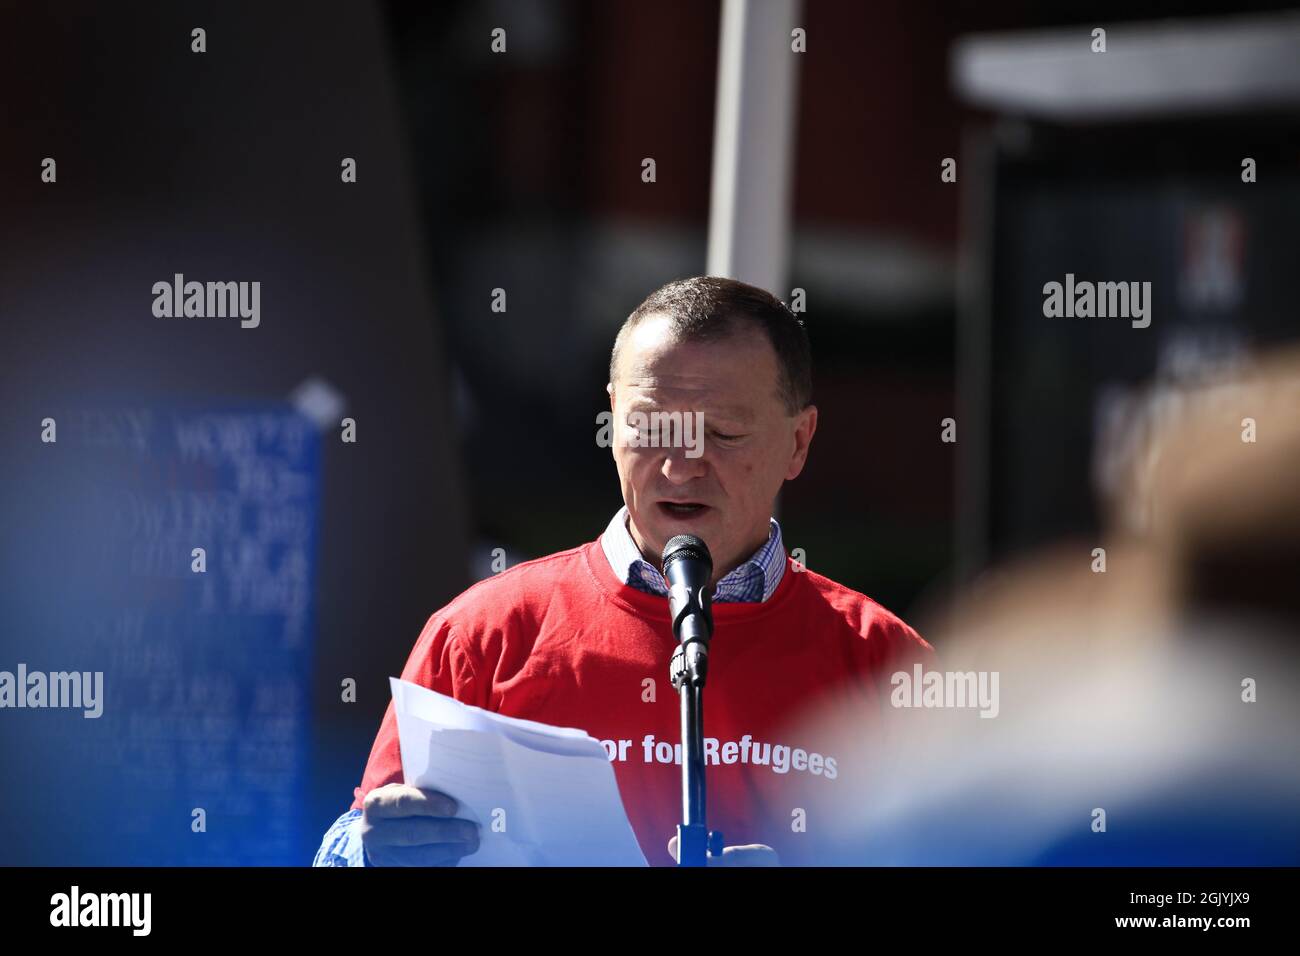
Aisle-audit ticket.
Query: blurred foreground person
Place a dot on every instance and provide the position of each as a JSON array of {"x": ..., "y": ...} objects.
[{"x": 1146, "y": 714}]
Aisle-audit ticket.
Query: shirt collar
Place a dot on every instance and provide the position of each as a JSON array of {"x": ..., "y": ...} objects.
[{"x": 755, "y": 580}]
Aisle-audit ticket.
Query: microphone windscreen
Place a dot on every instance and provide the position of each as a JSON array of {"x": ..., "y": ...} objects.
[{"x": 681, "y": 546}]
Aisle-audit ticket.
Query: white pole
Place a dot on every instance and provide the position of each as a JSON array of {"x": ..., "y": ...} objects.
[{"x": 753, "y": 138}]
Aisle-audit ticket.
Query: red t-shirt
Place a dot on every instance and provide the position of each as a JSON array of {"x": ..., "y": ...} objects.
[{"x": 563, "y": 641}]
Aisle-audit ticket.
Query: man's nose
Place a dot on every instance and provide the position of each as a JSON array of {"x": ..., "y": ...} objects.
[{"x": 679, "y": 468}]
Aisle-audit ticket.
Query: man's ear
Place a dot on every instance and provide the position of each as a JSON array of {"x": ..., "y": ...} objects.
[
  {"x": 609, "y": 387},
  {"x": 805, "y": 427}
]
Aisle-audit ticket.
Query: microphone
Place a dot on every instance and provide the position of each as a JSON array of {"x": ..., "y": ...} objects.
[{"x": 688, "y": 569}]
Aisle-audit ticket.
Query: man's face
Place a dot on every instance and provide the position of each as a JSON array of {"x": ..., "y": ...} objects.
[{"x": 750, "y": 443}]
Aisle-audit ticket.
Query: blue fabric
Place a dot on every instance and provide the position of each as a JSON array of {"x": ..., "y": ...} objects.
[{"x": 342, "y": 844}]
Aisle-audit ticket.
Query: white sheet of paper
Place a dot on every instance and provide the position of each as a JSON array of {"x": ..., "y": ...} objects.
[{"x": 552, "y": 787}]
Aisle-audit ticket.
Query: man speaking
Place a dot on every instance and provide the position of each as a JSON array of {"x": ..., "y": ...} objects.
[{"x": 582, "y": 638}]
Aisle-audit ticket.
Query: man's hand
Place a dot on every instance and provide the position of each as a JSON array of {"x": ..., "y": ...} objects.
[
  {"x": 750, "y": 854},
  {"x": 407, "y": 826}
]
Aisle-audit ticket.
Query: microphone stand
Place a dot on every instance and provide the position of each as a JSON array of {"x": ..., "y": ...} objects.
[{"x": 695, "y": 841}]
